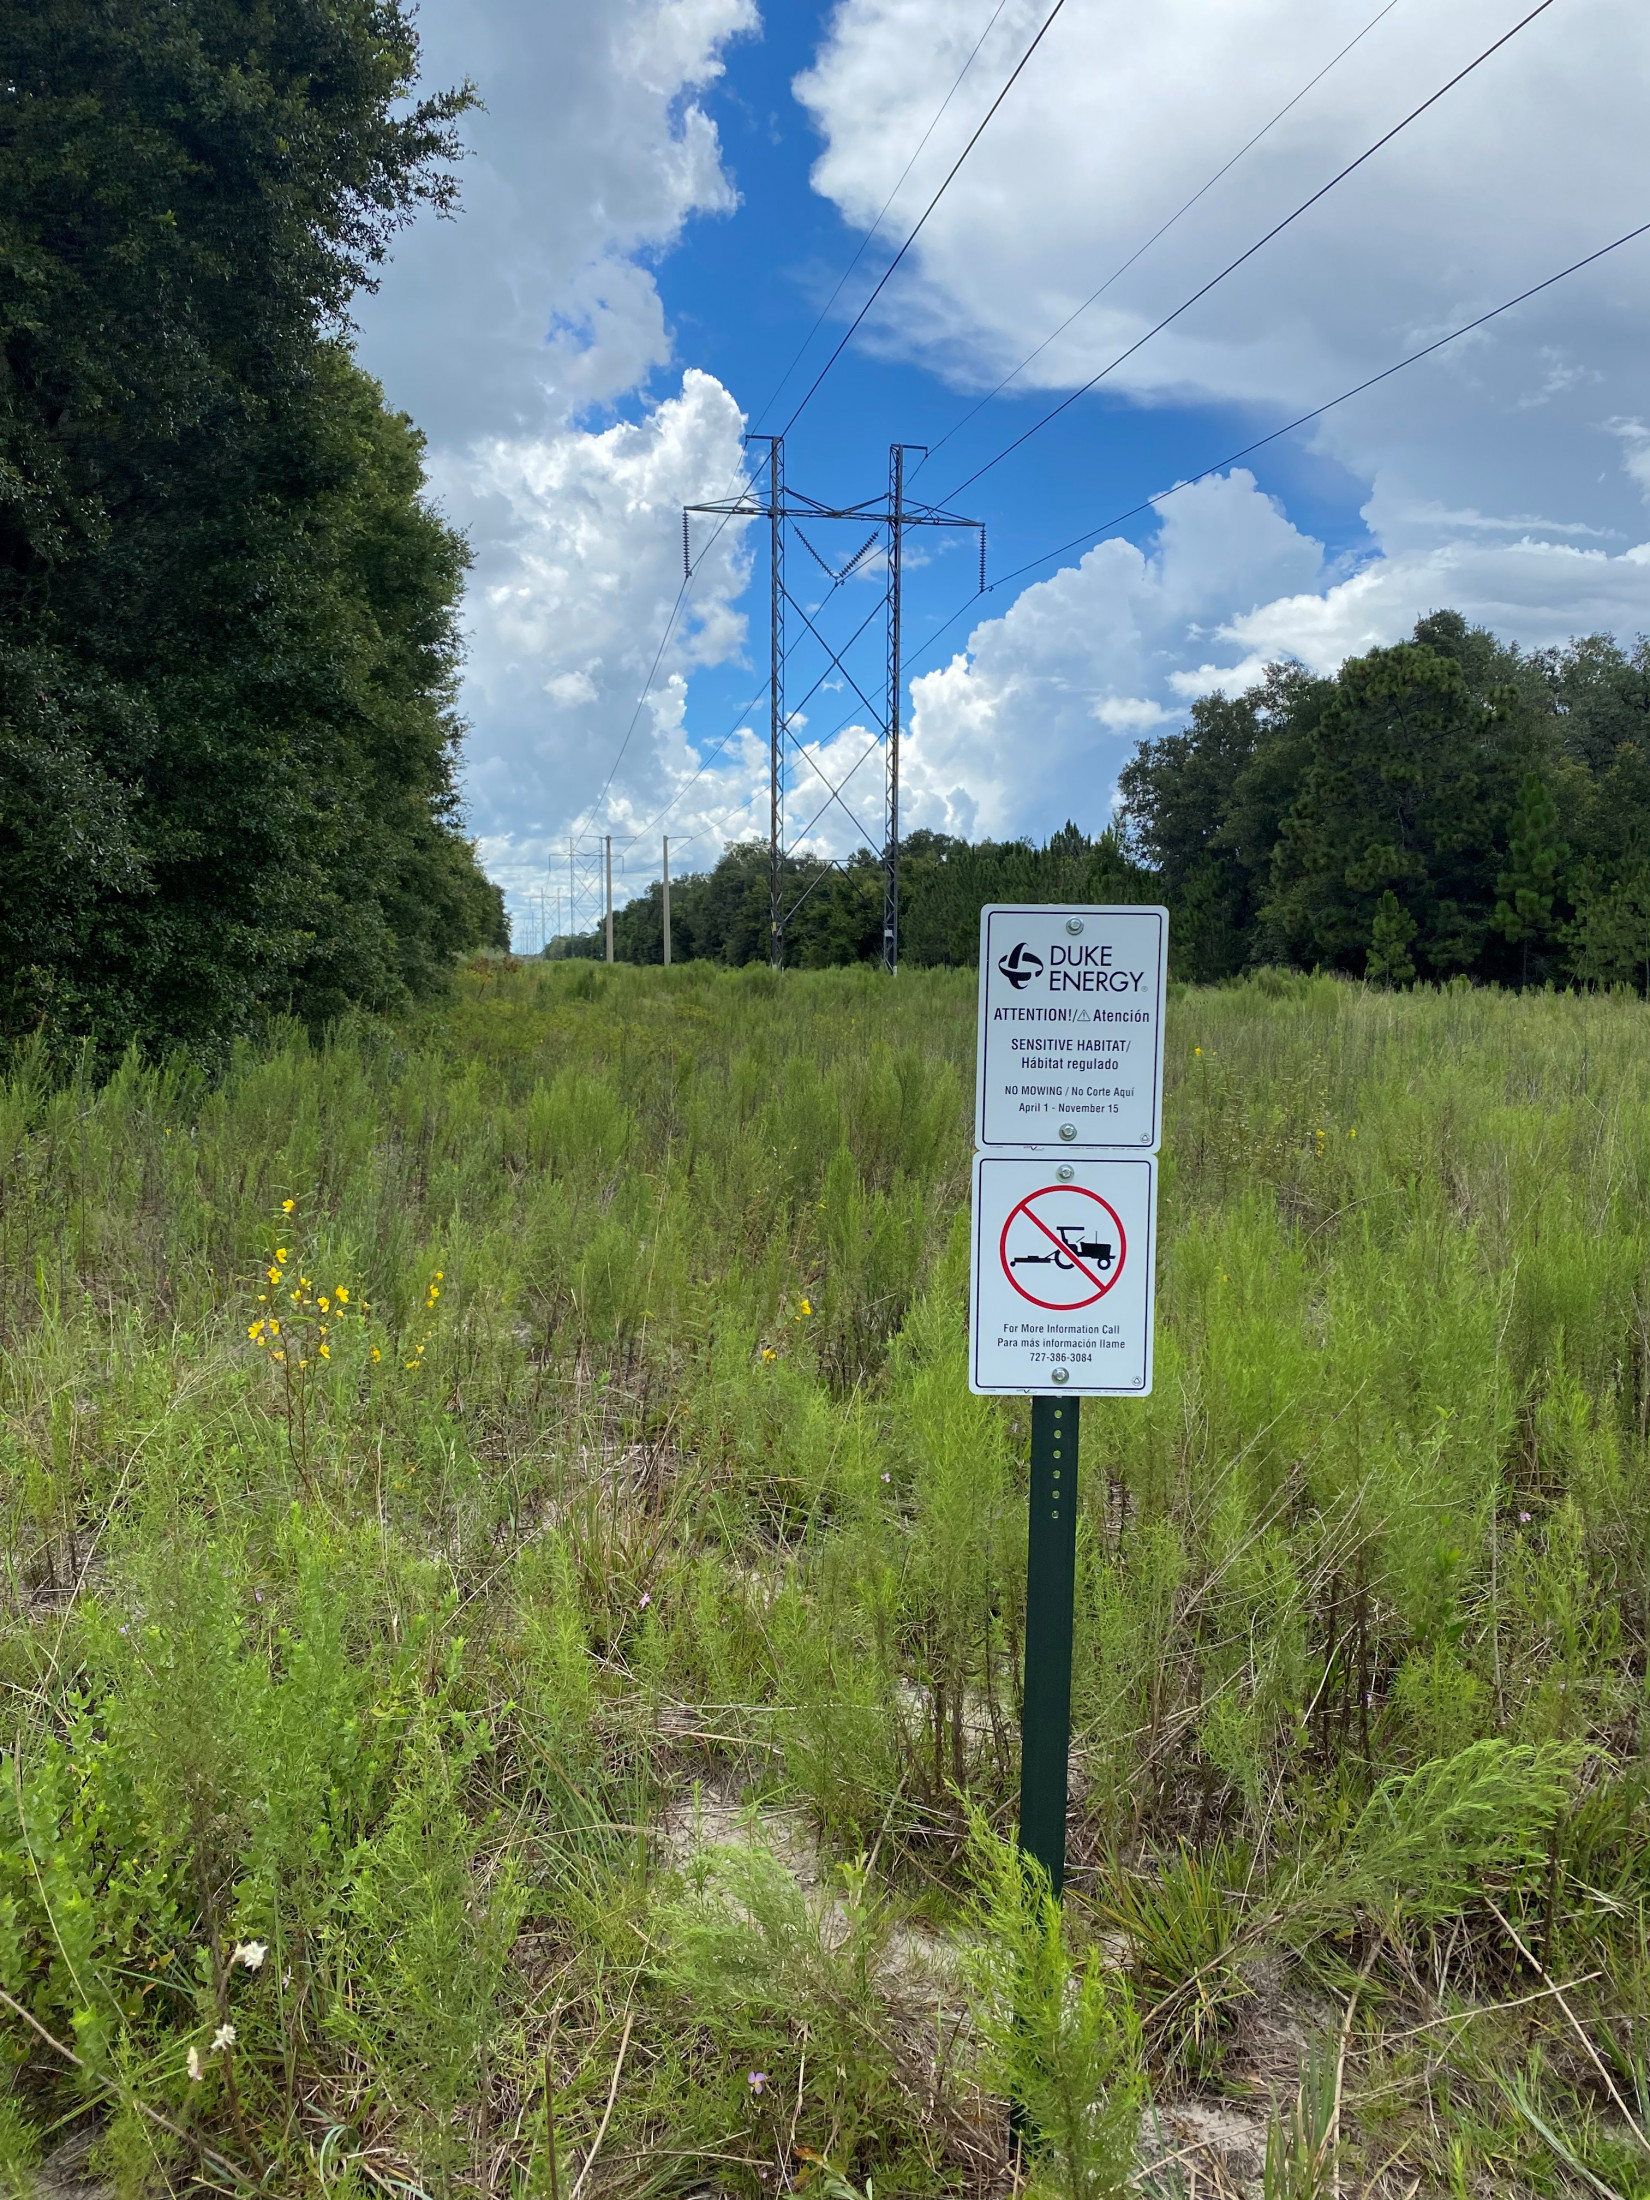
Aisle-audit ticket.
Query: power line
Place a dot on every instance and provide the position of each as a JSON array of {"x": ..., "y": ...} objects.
[
  {"x": 688, "y": 577},
  {"x": 1161, "y": 496},
  {"x": 1302, "y": 420},
  {"x": 870, "y": 233},
  {"x": 647, "y": 686},
  {"x": 1140, "y": 252},
  {"x": 733, "y": 809},
  {"x": 670, "y": 624},
  {"x": 1233, "y": 265},
  {"x": 1072, "y": 398},
  {"x": 882, "y": 280},
  {"x": 745, "y": 708},
  {"x": 865, "y": 241}
]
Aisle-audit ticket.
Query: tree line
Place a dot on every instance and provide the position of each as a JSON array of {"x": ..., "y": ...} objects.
[
  {"x": 228, "y": 616},
  {"x": 834, "y": 913},
  {"x": 1451, "y": 806},
  {"x": 229, "y": 642}
]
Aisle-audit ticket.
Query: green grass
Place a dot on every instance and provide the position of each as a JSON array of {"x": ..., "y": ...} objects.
[{"x": 639, "y": 1486}]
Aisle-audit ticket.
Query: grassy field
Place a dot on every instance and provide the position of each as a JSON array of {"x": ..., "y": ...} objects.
[{"x": 511, "y": 1616}]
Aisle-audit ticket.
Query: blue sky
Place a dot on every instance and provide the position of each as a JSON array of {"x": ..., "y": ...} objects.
[{"x": 662, "y": 194}]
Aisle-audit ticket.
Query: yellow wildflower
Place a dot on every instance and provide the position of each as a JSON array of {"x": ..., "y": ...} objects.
[
  {"x": 767, "y": 1352},
  {"x": 376, "y": 1353},
  {"x": 807, "y": 1306},
  {"x": 323, "y": 1303},
  {"x": 287, "y": 1206},
  {"x": 274, "y": 1274},
  {"x": 274, "y": 1329},
  {"x": 280, "y": 1252},
  {"x": 326, "y": 1352},
  {"x": 256, "y": 1329},
  {"x": 341, "y": 1295}
]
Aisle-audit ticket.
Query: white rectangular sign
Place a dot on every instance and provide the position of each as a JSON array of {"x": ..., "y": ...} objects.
[
  {"x": 1071, "y": 1028},
  {"x": 1062, "y": 1296}
]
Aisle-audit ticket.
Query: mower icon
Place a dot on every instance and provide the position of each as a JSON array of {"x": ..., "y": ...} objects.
[{"x": 1073, "y": 1243}]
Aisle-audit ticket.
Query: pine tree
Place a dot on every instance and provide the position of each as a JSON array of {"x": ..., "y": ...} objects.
[
  {"x": 1527, "y": 890},
  {"x": 1388, "y": 961}
]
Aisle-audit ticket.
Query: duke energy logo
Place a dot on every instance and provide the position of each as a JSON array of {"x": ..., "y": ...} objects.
[{"x": 1019, "y": 966}]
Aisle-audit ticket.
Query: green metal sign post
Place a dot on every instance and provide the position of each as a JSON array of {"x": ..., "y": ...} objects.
[
  {"x": 1068, "y": 1115},
  {"x": 1051, "y": 1586}
]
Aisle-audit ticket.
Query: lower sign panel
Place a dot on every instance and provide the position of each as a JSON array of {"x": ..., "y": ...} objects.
[{"x": 1064, "y": 1253}]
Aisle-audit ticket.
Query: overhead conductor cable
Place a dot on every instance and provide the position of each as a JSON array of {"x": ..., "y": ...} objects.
[
  {"x": 1301, "y": 420},
  {"x": 687, "y": 580},
  {"x": 1232, "y": 266},
  {"x": 1162, "y": 230}
]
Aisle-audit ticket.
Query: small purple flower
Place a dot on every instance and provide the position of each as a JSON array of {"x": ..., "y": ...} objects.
[
  {"x": 257, "y": 1596},
  {"x": 124, "y": 1630},
  {"x": 756, "y": 2080},
  {"x": 647, "y": 1599},
  {"x": 1523, "y": 1519},
  {"x": 887, "y": 1478}
]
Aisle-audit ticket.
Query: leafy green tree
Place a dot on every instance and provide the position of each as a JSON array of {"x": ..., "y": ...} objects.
[
  {"x": 1602, "y": 696},
  {"x": 834, "y": 912},
  {"x": 949, "y": 881},
  {"x": 1410, "y": 779},
  {"x": 1202, "y": 808},
  {"x": 228, "y": 616}
]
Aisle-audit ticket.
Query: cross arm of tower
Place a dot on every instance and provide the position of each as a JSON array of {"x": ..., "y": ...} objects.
[
  {"x": 835, "y": 794},
  {"x": 835, "y": 659},
  {"x": 827, "y": 864}
]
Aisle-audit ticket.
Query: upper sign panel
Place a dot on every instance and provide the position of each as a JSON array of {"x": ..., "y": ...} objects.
[{"x": 1071, "y": 1028}]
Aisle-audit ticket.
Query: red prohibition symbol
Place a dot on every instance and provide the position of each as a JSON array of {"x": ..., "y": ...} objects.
[{"x": 1061, "y": 1254}]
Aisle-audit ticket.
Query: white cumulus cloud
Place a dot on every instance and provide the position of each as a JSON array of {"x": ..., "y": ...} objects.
[
  {"x": 1031, "y": 722},
  {"x": 503, "y": 330},
  {"x": 1505, "y": 478},
  {"x": 1125, "y": 111}
]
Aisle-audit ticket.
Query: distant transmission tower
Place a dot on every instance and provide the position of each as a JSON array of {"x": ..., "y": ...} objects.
[{"x": 768, "y": 497}]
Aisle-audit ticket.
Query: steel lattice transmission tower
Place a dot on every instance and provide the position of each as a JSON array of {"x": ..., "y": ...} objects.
[{"x": 767, "y": 496}]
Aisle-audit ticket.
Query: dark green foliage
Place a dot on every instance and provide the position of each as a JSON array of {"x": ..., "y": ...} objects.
[
  {"x": 834, "y": 914},
  {"x": 1203, "y": 809},
  {"x": 1447, "y": 806},
  {"x": 1405, "y": 792},
  {"x": 1450, "y": 806},
  {"x": 1527, "y": 889},
  {"x": 1388, "y": 961},
  {"x": 946, "y": 882},
  {"x": 228, "y": 617}
]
